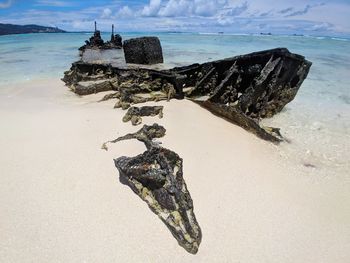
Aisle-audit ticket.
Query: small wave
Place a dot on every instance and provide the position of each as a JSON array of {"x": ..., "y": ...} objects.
[
  {"x": 13, "y": 61},
  {"x": 327, "y": 37},
  {"x": 176, "y": 33},
  {"x": 204, "y": 33},
  {"x": 345, "y": 99},
  {"x": 16, "y": 50},
  {"x": 340, "y": 39}
]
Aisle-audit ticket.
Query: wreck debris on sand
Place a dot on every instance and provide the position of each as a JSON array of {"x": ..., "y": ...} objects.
[
  {"x": 134, "y": 114},
  {"x": 242, "y": 89},
  {"x": 143, "y": 50},
  {"x": 156, "y": 176},
  {"x": 234, "y": 115}
]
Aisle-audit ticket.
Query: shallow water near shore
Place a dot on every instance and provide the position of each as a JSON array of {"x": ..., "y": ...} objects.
[{"x": 317, "y": 122}]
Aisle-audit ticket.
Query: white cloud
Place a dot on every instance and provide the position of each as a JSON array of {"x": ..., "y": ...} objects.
[
  {"x": 321, "y": 26},
  {"x": 200, "y": 8},
  {"x": 6, "y": 4},
  {"x": 235, "y": 16},
  {"x": 151, "y": 9},
  {"x": 53, "y": 3},
  {"x": 106, "y": 13},
  {"x": 176, "y": 8},
  {"x": 236, "y": 10},
  {"x": 182, "y": 8},
  {"x": 125, "y": 12},
  {"x": 206, "y": 7}
]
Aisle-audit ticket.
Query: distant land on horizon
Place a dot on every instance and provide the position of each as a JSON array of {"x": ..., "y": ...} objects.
[{"x": 10, "y": 29}]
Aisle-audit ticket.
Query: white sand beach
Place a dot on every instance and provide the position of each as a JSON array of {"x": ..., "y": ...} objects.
[{"x": 61, "y": 199}]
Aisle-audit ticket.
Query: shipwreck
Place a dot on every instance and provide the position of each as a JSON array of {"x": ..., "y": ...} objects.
[
  {"x": 242, "y": 89},
  {"x": 96, "y": 41}
]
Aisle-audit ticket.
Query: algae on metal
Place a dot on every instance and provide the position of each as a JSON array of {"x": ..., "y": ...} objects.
[{"x": 135, "y": 114}]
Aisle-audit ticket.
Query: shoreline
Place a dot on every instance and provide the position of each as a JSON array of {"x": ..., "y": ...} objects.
[{"x": 62, "y": 199}]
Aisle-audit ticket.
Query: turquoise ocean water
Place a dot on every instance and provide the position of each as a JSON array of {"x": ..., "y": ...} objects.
[{"x": 317, "y": 121}]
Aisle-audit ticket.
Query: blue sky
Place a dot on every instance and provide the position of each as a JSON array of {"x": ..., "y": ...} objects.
[{"x": 313, "y": 17}]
